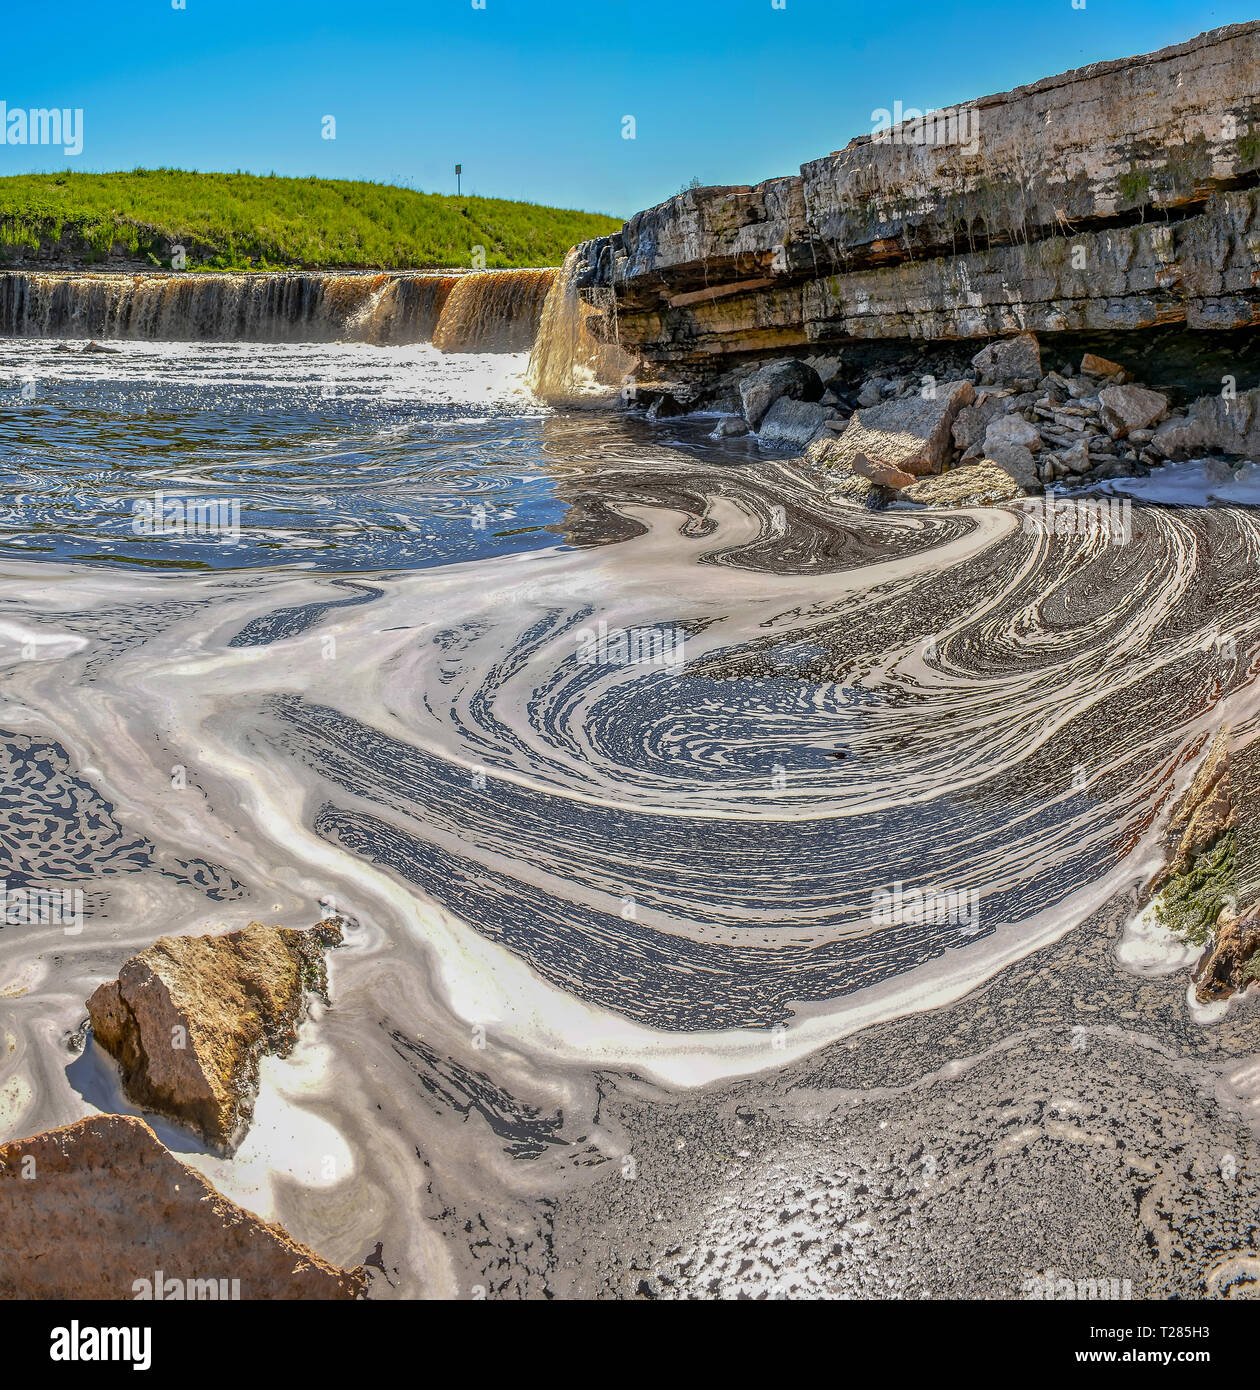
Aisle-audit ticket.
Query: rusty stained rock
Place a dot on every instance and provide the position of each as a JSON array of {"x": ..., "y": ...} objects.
[{"x": 90, "y": 1209}]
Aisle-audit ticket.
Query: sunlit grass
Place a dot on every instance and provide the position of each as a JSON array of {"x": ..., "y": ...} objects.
[{"x": 244, "y": 221}]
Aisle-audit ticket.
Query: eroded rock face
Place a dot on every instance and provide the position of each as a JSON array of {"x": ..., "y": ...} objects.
[
  {"x": 1120, "y": 196},
  {"x": 188, "y": 1018},
  {"x": 1203, "y": 814},
  {"x": 89, "y": 1210},
  {"x": 1204, "y": 898}
]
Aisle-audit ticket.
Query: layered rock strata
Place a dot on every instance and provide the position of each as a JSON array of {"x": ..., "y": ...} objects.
[{"x": 1120, "y": 196}]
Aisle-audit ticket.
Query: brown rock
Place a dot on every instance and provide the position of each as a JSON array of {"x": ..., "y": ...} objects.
[
  {"x": 88, "y": 1210},
  {"x": 885, "y": 474},
  {"x": 1093, "y": 365},
  {"x": 188, "y": 1018},
  {"x": 1222, "y": 969},
  {"x": 911, "y": 434}
]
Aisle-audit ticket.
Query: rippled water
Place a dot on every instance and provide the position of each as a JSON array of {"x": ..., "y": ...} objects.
[
  {"x": 339, "y": 456},
  {"x": 375, "y": 697}
]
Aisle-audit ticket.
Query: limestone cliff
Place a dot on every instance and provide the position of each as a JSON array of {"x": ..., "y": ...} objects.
[{"x": 1117, "y": 197}]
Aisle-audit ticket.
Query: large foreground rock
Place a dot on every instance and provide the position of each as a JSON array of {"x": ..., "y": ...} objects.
[
  {"x": 188, "y": 1018},
  {"x": 912, "y": 434},
  {"x": 88, "y": 1210}
]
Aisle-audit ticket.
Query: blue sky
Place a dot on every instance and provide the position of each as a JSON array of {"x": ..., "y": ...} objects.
[{"x": 530, "y": 95}]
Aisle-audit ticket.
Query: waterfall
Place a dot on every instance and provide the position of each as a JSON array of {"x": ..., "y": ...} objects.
[
  {"x": 479, "y": 312},
  {"x": 494, "y": 311},
  {"x": 569, "y": 365},
  {"x": 409, "y": 308}
]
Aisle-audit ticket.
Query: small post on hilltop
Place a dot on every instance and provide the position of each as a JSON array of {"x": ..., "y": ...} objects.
[{"x": 459, "y": 169}]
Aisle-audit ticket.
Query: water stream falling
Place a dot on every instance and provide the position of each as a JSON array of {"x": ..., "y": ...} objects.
[{"x": 491, "y": 311}]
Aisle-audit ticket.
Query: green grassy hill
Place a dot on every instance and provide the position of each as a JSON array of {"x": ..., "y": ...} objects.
[{"x": 243, "y": 221}]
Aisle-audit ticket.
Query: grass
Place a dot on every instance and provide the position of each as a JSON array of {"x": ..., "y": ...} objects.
[
  {"x": 252, "y": 222},
  {"x": 1193, "y": 901}
]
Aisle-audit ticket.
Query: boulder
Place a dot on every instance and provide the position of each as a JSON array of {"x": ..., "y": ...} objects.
[
  {"x": 1222, "y": 969},
  {"x": 1125, "y": 408},
  {"x": 912, "y": 433},
  {"x": 793, "y": 422},
  {"x": 188, "y": 1018},
  {"x": 1076, "y": 460},
  {"x": 1009, "y": 359},
  {"x": 885, "y": 474},
  {"x": 1017, "y": 462},
  {"x": 973, "y": 421},
  {"x": 89, "y": 1210},
  {"x": 1011, "y": 429},
  {"x": 1093, "y": 365},
  {"x": 872, "y": 391},
  {"x": 789, "y": 377},
  {"x": 1213, "y": 422},
  {"x": 842, "y": 480},
  {"x": 970, "y": 485},
  {"x": 728, "y": 427}
]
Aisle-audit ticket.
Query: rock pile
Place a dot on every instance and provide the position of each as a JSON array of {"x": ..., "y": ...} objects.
[{"x": 1022, "y": 426}]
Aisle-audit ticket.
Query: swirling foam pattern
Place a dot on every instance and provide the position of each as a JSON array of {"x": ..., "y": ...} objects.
[{"x": 645, "y": 865}]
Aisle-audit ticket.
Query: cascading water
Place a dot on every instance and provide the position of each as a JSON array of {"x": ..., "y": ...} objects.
[
  {"x": 409, "y": 308},
  {"x": 497, "y": 311},
  {"x": 569, "y": 365},
  {"x": 494, "y": 311}
]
